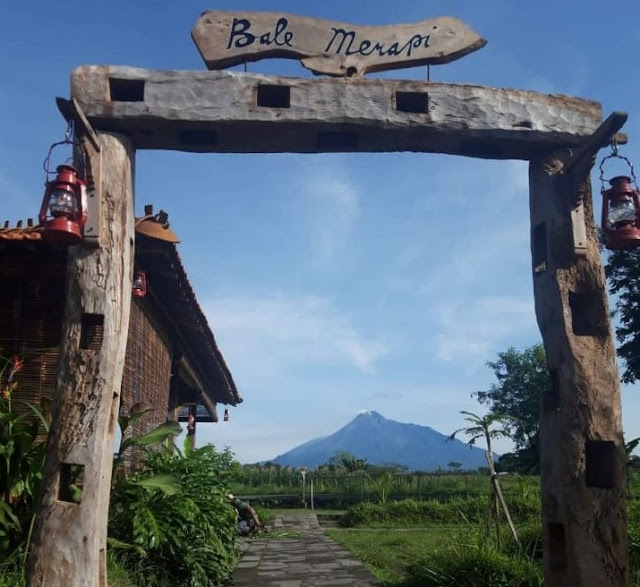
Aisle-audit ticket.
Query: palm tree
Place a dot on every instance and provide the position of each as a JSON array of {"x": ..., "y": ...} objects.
[
  {"x": 479, "y": 427},
  {"x": 483, "y": 427}
]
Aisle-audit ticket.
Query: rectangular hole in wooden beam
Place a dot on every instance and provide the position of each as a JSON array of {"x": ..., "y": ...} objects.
[
  {"x": 557, "y": 542},
  {"x": 416, "y": 102},
  {"x": 588, "y": 316},
  {"x": 92, "y": 331},
  {"x": 600, "y": 464},
  {"x": 337, "y": 140},
  {"x": 551, "y": 396},
  {"x": 198, "y": 138},
  {"x": 126, "y": 90},
  {"x": 539, "y": 246},
  {"x": 70, "y": 483},
  {"x": 272, "y": 96}
]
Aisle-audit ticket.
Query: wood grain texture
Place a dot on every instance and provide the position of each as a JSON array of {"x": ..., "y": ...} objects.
[
  {"x": 69, "y": 546},
  {"x": 585, "y": 538},
  {"x": 326, "y": 47},
  {"x": 219, "y": 112}
]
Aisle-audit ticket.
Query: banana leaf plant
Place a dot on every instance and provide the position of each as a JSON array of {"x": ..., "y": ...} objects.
[{"x": 168, "y": 484}]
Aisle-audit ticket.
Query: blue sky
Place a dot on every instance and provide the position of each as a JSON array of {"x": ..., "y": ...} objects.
[{"x": 335, "y": 283}]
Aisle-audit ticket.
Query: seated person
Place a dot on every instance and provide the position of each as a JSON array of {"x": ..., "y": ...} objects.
[{"x": 248, "y": 519}]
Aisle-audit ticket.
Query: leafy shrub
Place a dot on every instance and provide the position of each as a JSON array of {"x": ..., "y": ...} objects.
[
  {"x": 185, "y": 539},
  {"x": 471, "y": 567},
  {"x": 424, "y": 513},
  {"x": 634, "y": 552},
  {"x": 22, "y": 455}
]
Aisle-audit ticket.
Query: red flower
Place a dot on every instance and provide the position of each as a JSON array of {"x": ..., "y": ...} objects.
[
  {"x": 18, "y": 364},
  {"x": 16, "y": 367}
]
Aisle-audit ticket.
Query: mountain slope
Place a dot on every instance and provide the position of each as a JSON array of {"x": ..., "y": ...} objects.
[{"x": 380, "y": 441}]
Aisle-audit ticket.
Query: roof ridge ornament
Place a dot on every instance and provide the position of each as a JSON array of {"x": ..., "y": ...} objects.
[
  {"x": 331, "y": 48},
  {"x": 156, "y": 225}
]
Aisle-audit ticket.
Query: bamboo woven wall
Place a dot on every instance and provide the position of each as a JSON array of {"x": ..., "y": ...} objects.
[
  {"x": 32, "y": 300},
  {"x": 147, "y": 370}
]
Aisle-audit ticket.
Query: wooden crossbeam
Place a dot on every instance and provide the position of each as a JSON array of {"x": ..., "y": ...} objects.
[
  {"x": 581, "y": 160},
  {"x": 216, "y": 111}
]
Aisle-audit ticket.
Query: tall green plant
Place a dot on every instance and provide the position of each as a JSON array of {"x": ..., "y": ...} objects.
[
  {"x": 184, "y": 539},
  {"x": 484, "y": 427},
  {"x": 157, "y": 435},
  {"x": 382, "y": 485},
  {"x": 22, "y": 454}
]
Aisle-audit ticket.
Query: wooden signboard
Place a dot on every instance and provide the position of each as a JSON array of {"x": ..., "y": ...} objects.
[{"x": 326, "y": 47}]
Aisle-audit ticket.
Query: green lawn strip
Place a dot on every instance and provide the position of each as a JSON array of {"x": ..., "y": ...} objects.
[
  {"x": 387, "y": 553},
  {"x": 317, "y": 512}
]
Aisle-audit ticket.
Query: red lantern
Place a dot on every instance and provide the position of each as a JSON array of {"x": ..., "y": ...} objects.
[
  {"x": 139, "y": 286},
  {"x": 621, "y": 215},
  {"x": 191, "y": 423},
  {"x": 226, "y": 415},
  {"x": 65, "y": 198}
]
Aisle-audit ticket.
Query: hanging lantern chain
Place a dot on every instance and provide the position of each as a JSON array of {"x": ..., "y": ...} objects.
[
  {"x": 68, "y": 140},
  {"x": 615, "y": 155}
]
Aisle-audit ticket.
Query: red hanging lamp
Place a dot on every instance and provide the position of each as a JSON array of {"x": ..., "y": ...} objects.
[
  {"x": 63, "y": 212},
  {"x": 191, "y": 421},
  {"x": 620, "y": 208},
  {"x": 139, "y": 285}
]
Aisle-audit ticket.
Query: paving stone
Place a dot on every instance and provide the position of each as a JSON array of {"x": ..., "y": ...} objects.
[{"x": 312, "y": 560}]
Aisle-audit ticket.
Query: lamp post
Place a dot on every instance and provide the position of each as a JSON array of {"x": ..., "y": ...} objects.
[{"x": 303, "y": 472}]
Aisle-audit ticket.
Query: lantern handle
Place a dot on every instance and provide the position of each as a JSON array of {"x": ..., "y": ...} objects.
[
  {"x": 615, "y": 155},
  {"x": 68, "y": 140}
]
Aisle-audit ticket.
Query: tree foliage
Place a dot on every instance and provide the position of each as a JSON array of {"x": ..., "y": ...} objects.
[
  {"x": 623, "y": 273},
  {"x": 346, "y": 461},
  {"x": 481, "y": 427},
  {"x": 521, "y": 376}
]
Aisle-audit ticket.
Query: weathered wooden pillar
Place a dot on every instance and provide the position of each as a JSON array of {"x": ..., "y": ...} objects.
[
  {"x": 582, "y": 448},
  {"x": 69, "y": 547}
]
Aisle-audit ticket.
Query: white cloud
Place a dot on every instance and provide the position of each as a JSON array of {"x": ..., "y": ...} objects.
[
  {"x": 280, "y": 333},
  {"x": 471, "y": 330},
  {"x": 333, "y": 206}
]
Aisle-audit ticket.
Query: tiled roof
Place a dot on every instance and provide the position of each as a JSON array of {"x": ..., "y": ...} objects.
[{"x": 20, "y": 233}]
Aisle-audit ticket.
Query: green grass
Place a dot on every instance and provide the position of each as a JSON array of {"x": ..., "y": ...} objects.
[
  {"x": 11, "y": 579},
  {"x": 386, "y": 554},
  {"x": 118, "y": 576},
  {"x": 438, "y": 557},
  {"x": 317, "y": 512}
]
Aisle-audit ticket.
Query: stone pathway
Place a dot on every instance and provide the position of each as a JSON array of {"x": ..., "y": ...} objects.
[{"x": 313, "y": 560}]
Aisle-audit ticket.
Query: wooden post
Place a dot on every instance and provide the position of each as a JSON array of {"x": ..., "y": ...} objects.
[
  {"x": 582, "y": 448},
  {"x": 69, "y": 547}
]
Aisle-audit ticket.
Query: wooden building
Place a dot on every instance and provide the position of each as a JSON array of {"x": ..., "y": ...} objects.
[{"x": 172, "y": 363}]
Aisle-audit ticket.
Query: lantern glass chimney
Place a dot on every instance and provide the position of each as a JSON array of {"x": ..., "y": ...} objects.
[{"x": 62, "y": 202}]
